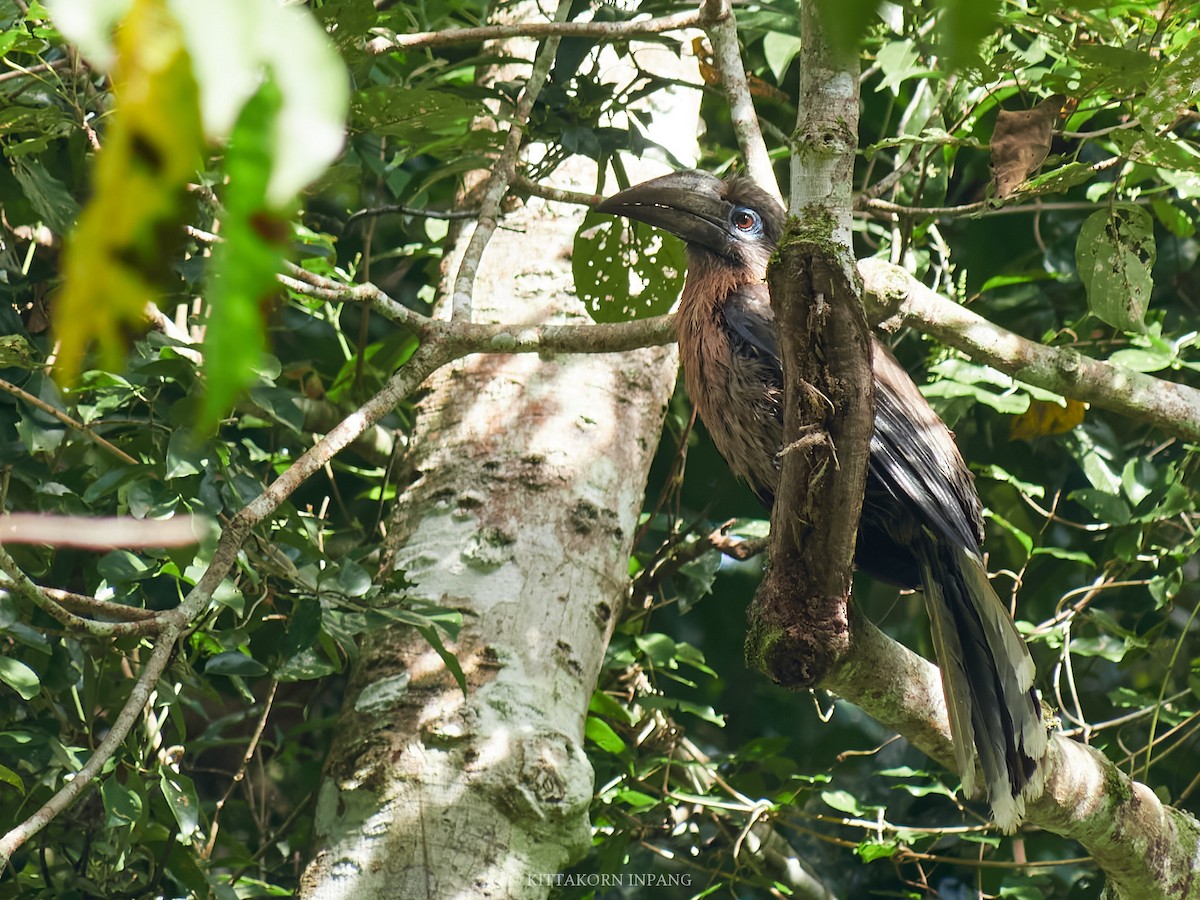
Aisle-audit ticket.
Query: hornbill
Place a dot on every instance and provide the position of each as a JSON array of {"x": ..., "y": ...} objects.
[{"x": 921, "y": 524}]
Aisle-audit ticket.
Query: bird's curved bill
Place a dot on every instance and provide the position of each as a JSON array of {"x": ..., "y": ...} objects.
[{"x": 687, "y": 204}]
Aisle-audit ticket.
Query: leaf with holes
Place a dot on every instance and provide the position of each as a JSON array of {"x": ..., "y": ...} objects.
[
  {"x": 626, "y": 270},
  {"x": 1115, "y": 254}
]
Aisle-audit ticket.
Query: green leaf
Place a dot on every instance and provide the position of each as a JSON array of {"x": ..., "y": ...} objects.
[
  {"x": 181, "y": 797},
  {"x": 963, "y": 24},
  {"x": 899, "y": 61},
  {"x": 700, "y": 710},
  {"x": 244, "y": 265},
  {"x": 1105, "y": 646},
  {"x": 1056, "y": 181},
  {"x": 843, "y": 801},
  {"x": 1115, "y": 254},
  {"x": 306, "y": 665},
  {"x": 1022, "y": 537},
  {"x": 779, "y": 49},
  {"x": 352, "y": 579},
  {"x": 416, "y": 114},
  {"x": 604, "y": 705},
  {"x": 659, "y": 649},
  {"x": 17, "y": 353},
  {"x": 1178, "y": 222},
  {"x": 1062, "y": 553},
  {"x": 184, "y": 455},
  {"x": 871, "y": 850},
  {"x": 9, "y": 777},
  {"x": 626, "y": 270},
  {"x": 303, "y": 629},
  {"x": 122, "y": 806},
  {"x": 637, "y": 799},
  {"x": 1173, "y": 89},
  {"x": 602, "y": 735},
  {"x": 47, "y": 194},
  {"x": 997, "y": 473},
  {"x": 234, "y": 663},
  {"x": 1103, "y": 506},
  {"x": 122, "y": 567},
  {"x": 449, "y": 659},
  {"x": 695, "y": 579}
]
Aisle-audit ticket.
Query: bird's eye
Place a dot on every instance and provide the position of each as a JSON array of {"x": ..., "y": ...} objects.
[{"x": 745, "y": 219}]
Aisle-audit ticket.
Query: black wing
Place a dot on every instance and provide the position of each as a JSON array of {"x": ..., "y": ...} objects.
[{"x": 916, "y": 478}]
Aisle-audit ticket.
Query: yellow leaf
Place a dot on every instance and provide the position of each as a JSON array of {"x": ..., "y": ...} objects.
[
  {"x": 1044, "y": 418},
  {"x": 118, "y": 258}
]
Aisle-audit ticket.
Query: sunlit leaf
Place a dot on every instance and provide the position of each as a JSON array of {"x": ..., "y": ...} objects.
[
  {"x": 601, "y": 733},
  {"x": 11, "y": 778},
  {"x": 181, "y": 798},
  {"x": 1044, "y": 418},
  {"x": 1115, "y": 254},
  {"x": 244, "y": 265},
  {"x": 118, "y": 258},
  {"x": 19, "y": 677},
  {"x": 626, "y": 270},
  {"x": 844, "y": 801}
]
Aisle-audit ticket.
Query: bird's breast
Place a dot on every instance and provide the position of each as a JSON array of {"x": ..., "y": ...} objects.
[{"x": 737, "y": 393}]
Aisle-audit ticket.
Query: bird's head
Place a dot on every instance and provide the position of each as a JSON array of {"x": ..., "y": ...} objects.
[{"x": 735, "y": 220}]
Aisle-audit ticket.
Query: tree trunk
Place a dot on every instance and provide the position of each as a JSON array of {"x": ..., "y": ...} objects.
[
  {"x": 528, "y": 479},
  {"x": 528, "y": 476}
]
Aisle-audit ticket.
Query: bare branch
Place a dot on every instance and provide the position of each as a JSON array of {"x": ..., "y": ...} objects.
[
  {"x": 1143, "y": 846},
  {"x": 722, "y": 32},
  {"x": 99, "y": 533},
  {"x": 502, "y": 175},
  {"x": 10, "y": 388},
  {"x": 80, "y": 603},
  {"x": 893, "y": 292},
  {"x": 19, "y": 72},
  {"x": 521, "y": 183},
  {"x": 611, "y": 31},
  {"x": 474, "y": 337},
  {"x": 23, "y": 586}
]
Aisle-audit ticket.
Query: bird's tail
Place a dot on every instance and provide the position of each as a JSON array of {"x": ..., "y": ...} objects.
[{"x": 987, "y": 674}]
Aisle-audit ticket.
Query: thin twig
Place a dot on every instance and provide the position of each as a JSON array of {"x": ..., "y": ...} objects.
[
  {"x": 45, "y": 407},
  {"x": 501, "y": 177},
  {"x": 611, "y": 31},
  {"x": 410, "y": 211},
  {"x": 719, "y": 22},
  {"x": 240, "y": 774},
  {"x": 21, "y": 72},
  {"x": 559, "y": 195},
  {"x": 23, "y": 586}
]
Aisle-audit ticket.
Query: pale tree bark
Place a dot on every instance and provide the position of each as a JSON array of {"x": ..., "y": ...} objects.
[{"x": 528, "y": 476}]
